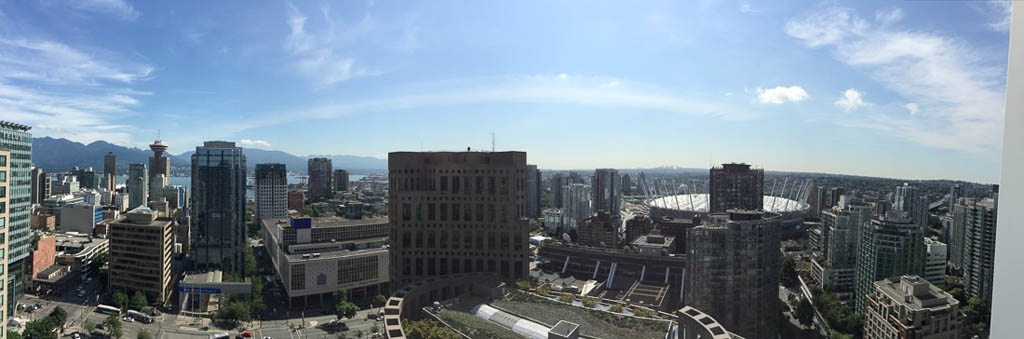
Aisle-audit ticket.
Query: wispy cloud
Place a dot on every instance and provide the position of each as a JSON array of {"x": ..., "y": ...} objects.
[
  {"x": 66, "y": 92},
  {"x": 912, "y": 107},
  {"x": 957, "y": 93},
  {"x": 117, "y": 8},
  {"x": 781, "y": 95},
  {"x": 255, "y": 142},
  {"x": 523, "y": 89},
  {"x": 998, "y": 11},
  {"x": 888, "y": 16},
  {"x": 56, "y": 63},
  {"x": 319, "y": 55},
  {"x": 851, "y": 99},
  {"x": 745, "y": 8}
]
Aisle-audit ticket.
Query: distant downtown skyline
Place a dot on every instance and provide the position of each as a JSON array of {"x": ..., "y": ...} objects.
[{"x": 904, "y": 90}]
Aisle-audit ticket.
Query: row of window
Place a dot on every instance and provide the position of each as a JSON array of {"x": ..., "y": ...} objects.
[
  {"x": 455, "y": 184},
  {"x": 441, "y": 266},
  {"x": 349, "y": 270},
  {"x": 440, "y": 240},
  {"x": 458, "y": 212}
]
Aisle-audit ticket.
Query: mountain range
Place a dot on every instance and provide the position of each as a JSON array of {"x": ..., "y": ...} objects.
[{"x": 59, "y": 155}]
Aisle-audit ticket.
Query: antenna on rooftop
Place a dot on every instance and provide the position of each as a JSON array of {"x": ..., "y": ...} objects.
[{"x": 492, "y": 142}]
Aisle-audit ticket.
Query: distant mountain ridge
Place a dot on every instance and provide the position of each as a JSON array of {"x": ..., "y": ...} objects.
[{"x": 60, "y": 155}]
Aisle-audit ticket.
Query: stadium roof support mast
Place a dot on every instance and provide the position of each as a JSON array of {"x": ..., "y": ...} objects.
[
  {"x": 774, "y": 182},
  {"x": 692, "y": 183}
]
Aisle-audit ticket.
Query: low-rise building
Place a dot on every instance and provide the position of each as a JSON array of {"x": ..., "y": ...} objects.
[
  {"x": 44, "y": 222},
  {"x": 42, "y": 257},
  {"x": 655, "y": 244},
  {"x": 80, "y": 217},
  {"x": 314, "y": 257},
  {"x": 77, "y": 250},
  {"x": 141, "y": 246},
  {"x": 910, "y": 307}
]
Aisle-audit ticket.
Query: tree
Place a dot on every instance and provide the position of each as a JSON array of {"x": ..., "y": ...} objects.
[
  {"x": 375, "y": 328},
  {"x": 379, "y": 301},
  {"x": 522, "y": 285},
  {"x": 143, "y": 334},
  {"x": 139, "y": 300},
  {"x": 589, "y": 302},
  {"x": 341, "y": 295},
  {"x": 235, "y": 311},
  {"x": 345, "y": 309},
  {"x": 114, "y": 326},
  {"x": 805, "y": 312},
  {"x": 643, "y": 312},
  {"x": 58, "y": 317},
  {"x": 40, "y": 329},
  {"x": 250, "y": 262},
  {"x": 120, "y": 299},
  {"x": 89, "y": 326},
  {"x": 616, "y": 308},
  {"x": 565, "y": 298},
  {"x": 788, "y": 271},
  {"x": 13, "y": 335}
]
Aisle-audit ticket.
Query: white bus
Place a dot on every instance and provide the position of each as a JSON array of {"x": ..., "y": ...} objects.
[
  {"x": 105, "y": 309},
  {"x": 222, "y": 335},
  {"x": 140, "y": 316}
]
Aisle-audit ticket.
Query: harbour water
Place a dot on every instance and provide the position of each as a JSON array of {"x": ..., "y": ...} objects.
[{"x": 187, "y": 181}]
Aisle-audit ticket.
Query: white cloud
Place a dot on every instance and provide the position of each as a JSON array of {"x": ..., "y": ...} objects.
[
  {"x": 851, "y": 99},
  {"x": 612, "y": 84},
  {"x": 117, "y": 8},
  {"x": 959, "y": 92},
  {"x": 532, "y": 89},
  {"x": 745, "y": 8},
  {"x": 780, "y": 95},
  {"x": 888, "y": 16},
  {"x": 256, "y": 142},
  {"x": 318, "y": 55},
  {"x": 912, "y": 107},
  {"x": 68, "y": 92},
  {"x": 999, "y": 12}
]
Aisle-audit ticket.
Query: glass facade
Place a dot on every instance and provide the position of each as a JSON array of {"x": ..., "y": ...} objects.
[
  {"x": 218, "y": 207},
  {"x": 18, "y": 141}
]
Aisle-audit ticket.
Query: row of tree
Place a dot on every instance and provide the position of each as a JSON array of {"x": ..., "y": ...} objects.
[{"x": 46, "y": 328}]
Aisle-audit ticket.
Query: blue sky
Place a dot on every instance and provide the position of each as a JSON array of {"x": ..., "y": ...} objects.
[{"x": 911, "y": 89}]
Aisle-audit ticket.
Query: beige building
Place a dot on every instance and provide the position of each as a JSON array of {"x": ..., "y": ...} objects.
[
  {"x": 457, "y": 212},
  {"x": 141, "y": 245},
  {"x": 910, "y": 307},
  {"x": 5, "y": 193},
  {"x": 44, "y": 222}
]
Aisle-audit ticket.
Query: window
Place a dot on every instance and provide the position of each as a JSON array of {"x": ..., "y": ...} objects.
[
  {"x": 479, "y": 185},
  {"x": 455, "y": 212},
  {"x": 430, "y": 211},
  {"x": 3, "y": 190},
  {"x": 455, "y": 185},
  {"x": 444, "y": 184},
  {"x": 444, "y": 212},
  {"x": 406, "y": 212},
  {"x": 321, "y": 279},
  {"x": 3, "y": 160},
  {"x": 490, "y": 185},
  {"x": 299, "y": 277},
  {"x": 3, "y": 176}
]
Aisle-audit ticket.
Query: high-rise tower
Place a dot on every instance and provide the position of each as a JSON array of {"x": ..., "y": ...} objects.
[
  {"x": 218, "y": 207},
  {"x": 319, "y": 170},
  {"x": 158, "y": 164},
  {"x": 17, "y": 139},
  {"x": 110, "y": 171},
  {"x": 736, "y": 186},
  {"x": 271, "y": 192}
]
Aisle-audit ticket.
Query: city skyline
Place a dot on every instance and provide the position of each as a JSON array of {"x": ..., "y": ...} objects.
[{"x": 543, "y": 80}]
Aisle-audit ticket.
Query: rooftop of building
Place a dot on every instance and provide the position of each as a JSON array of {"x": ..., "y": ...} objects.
[
  {"x": 326, "y": 222},
  {"x": 77, "y": 240},
  {"x": 654, "y": 240},
  {"x": 915, "y": 292}
]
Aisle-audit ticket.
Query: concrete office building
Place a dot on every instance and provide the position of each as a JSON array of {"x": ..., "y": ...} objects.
[
  {"x": 314, "y": 257},
  {"x": 158, "y": 165},
  {"x": 340, "y": 180},
  {"x": 732, "y": 271},
  {"x": 973, "y": 237},
  {"x": 638, "y": 226},
  {"x": 141, "y": 245},
  {"x": 138, "y": 185},
  {"x": 935, "y": 262},
  {"x": 40, "y": 185},
  {"x": 218, "y": 207},
  {"x": 841, "y": 226},
  {"x": 677, "y": 228},
  {"x": 532, "y": 192},
  {"x": 577, "y": 205},
  {"x": 5, "y": 194},
  {"x": 606, "y": 189},
  {"x": 908, "y": 307},
  {"x": 271, "y": 191},
  {"x": 890, "y": 246},
  {"x": 177, "y": 196},
  {"x": 76, "y": 250},
  {"x": 736, "y": 186},
  {"x": 600, "y": 230},
  {"x": 457, "y": 212},
  {"x": 319, "y": 171},
  {"x": 53, "y": 205},
  {"x": 64, "y": 184},
  {"x": 110, "y": 171},
  {"x": 80, "y": 217}
]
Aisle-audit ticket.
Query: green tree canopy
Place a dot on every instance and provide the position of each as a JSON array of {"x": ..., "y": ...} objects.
[
  {"x": 345, "y": 309},
  {"x": 114, "y": 326},
  {"x": 805, "y": 312},
  {"x": 139, "y": 300},
  {"x": 143, "y": 334},
  {"x": 427, "y": 329},
  {"x": 379, "y": 300},
  {"x": 120, "y": 299}
]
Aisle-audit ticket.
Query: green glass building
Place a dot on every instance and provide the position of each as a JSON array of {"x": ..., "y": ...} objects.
[
  {"x": 17, "y": 139},
  {"x": 890, "y": 246}
]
